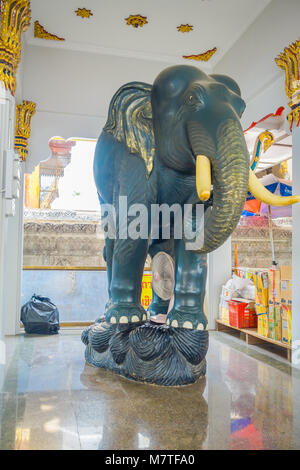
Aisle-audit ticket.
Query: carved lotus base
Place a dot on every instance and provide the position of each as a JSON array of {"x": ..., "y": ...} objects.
[{"x": 144, "y": 352}]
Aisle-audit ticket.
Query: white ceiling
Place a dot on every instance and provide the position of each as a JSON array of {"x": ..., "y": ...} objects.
[{"x": 217, "y": 23}]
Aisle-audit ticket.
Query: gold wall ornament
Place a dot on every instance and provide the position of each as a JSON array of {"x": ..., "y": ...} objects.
[
  {"x": 83, "y": 12},
  {"x": 289, "y": 60},
  {"x": 204, "y": 56},
  {"x": 263, "y": 142},
  {"x": 136, "y": 20},
  {"x": 185, "y": 28},
  {"x": 40, "y": 32},
  {"x": 14, "y": 20},
  {"x": 24, "y": 113}
]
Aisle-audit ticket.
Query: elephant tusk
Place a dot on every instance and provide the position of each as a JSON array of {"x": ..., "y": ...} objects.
[
  {"x": 261, "y": 193},
  {"x": 203, "y": 177}
]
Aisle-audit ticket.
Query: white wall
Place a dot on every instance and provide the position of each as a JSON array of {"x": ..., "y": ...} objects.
[
  {"x": 251, "y": 60},
  {"x": 72, "y": 91}
]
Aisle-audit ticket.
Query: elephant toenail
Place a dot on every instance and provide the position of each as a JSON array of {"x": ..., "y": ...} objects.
[
  {"x": 135, "y": 318},
  {"x": 188, "y": 324},
  {"x": 174, "y": 323},
  {"x": 168, "y": 322},
  {"x": 113, "y": 320},
  {"x": 200, "y": 326},
  {"x": 123, "y": 319},
  {"x": 144, "y": 317}
]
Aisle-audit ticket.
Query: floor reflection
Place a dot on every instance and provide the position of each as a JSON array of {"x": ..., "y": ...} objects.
[{"x": 51, "y": 400}]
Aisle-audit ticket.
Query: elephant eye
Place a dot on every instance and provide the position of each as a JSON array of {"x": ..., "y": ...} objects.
[{"x": 193, "y": 100}]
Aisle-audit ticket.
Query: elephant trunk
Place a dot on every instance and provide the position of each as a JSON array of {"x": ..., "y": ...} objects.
[{"x": 230, "y": 174}]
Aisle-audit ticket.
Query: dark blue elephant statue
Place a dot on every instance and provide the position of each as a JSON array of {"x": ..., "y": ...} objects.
[{"x": 147, "y": 155}]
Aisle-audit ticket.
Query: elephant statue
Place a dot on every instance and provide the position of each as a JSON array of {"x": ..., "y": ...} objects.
[{"x": 178, "y": 142}]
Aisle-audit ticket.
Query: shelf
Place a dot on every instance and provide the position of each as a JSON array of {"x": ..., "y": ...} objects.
[{"x": 252, "y": 337}]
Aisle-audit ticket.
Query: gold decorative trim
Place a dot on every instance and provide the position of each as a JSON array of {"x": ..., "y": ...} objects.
[
  {"x": 185, "y": 28},
  {"x": 84, "y": 12},
  {"x": 24, "y": 113},
  {"x": 40, "y": 32},
  {"x": 71, "y": 324},
  {"x": 69, "y": 268},
  {"x": 64, "y": 268},
  {"x": 264, "y": 141},
  {"x": 136, "y": 20},
  {"x": 289, "y": 60},
  {"x": 204, "y": 56},
  {"x": 14, "y": 20}
]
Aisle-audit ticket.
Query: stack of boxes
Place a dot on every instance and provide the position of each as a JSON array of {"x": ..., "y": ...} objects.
[
  {"x": 273, "y": 303},
  {"x": 286, "y": 302},
  {"x": 262, "y": 302}
]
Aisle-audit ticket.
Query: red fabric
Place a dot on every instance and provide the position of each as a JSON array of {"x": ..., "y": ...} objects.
[
  {"x": 278, "y": 113},
  {"x": 247, "y": 438},
  {"x": 252, "y": 206}
]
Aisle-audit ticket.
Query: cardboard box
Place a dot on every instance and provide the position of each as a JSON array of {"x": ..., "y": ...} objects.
[
  {"x": 286, "y": 284},
  {"x": 285, "y": 333},
  {"x": 261, "y": 287},
  {"x": 272, "y": 331},
  {"x": 275, "y": 321},
  {"x": 263, "y": 324},
  {"x": 225, "y": 315},
  {"x": 286, "y": 324},
  {"x": 286, "y": 273},
  {"x": 274, "y": 285},
  {"x": 261, "y": 309}
]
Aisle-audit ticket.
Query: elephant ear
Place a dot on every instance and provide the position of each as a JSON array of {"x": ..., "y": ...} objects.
[
  {"x": 231, "y": 84},
  {"x": 130, "y": 120},
  {"x": 228, "y": 81}
]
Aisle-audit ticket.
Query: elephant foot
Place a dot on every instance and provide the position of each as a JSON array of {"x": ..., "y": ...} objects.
[
  {"x": 193, "y": 320},
  {"x": 158, "y": 308},
  {"x": 148, "y": 353},
  {"x": 125, "y": 313}
]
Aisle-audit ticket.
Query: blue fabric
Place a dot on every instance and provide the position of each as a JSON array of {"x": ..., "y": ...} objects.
[
  {"x": 270, "y": 187},
  {"x": 248, "y": 214}
]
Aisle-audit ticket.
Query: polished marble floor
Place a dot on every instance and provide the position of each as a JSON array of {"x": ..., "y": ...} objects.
[{"x": 50, "y": 399}]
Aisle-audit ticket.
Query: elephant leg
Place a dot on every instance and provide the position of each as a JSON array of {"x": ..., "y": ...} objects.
[
  {"x": 131, "y": 244},
  {"x": 108, "y": 258},
  {"x": 126, "y": 282},
  {"x": 189, "y": 290}
]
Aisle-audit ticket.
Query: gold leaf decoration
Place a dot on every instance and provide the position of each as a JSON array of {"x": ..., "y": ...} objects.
[
  {"x": 289, "y": 61},
  {"x": 185, "y": 28},
  {"x": 40, "y": 32},
  {"x": 83, "y": 12},
  {"x": 204, "y": 56},
  {"x": 14, "y": 20},
  {"x": 136, "y": 20},
  {"x": 24, "y": 113}
]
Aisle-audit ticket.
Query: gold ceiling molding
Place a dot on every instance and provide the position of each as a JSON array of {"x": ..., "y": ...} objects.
[
  {"x": 136, "y": 20},
  {"x": 289, "y": 60},
  {"x": 40, "y": 32},
  {"x": 14, "y": 20},
  {"x": 185, "y": 28},
  {"x": 83, "y": 12},
  {"x": 204, "y": 56},
  {"x": 24, "y": 113}
]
